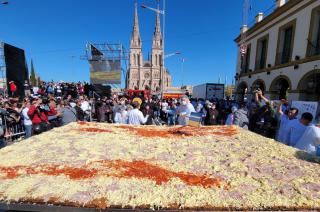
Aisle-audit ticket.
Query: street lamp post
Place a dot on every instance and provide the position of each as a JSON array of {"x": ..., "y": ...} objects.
[{"x": 182, "y": 71}]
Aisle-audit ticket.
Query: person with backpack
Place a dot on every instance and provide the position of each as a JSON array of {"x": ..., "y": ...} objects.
[{"x": 68, "y": 114}]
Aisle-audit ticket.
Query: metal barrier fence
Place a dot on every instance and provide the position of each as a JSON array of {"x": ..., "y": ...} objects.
[{"x": 13, "y": 132}]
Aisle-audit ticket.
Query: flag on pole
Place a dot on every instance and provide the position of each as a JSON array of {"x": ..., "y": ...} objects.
[{"x": 95, "y": 51}]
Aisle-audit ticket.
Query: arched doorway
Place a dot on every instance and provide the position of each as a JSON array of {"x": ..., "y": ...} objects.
[
  {"x": 147, "y": 87},
  {"x": 242, "y": 91},
  {"x": 259, "y": 84},
  {"x": 280, "y": 87},
  {"x": 309, "y": 86}
]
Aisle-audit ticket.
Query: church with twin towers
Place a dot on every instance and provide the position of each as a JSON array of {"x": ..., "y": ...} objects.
[{"x": 146, "y": 75}]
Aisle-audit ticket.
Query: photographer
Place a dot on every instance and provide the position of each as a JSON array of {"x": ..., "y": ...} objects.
[
  {"x": 266, "y": 122},
  {"x": 38, "y": 113}
]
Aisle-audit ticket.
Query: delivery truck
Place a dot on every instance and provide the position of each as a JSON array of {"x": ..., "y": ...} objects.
[{"x": 208, "y": 91}]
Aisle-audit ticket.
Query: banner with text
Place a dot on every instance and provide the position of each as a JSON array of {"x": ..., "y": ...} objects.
[{"x": 310, "y": 107}]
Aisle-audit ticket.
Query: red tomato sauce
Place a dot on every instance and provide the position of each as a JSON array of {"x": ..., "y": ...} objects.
[
  {"x": 185, "y": 131},
  {"x": 83, "y": 123},
  {"x": 94, "y": 130},
  {"x": 118, "y": 169}
]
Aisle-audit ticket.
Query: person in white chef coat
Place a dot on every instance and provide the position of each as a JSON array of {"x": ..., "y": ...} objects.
[{"x": 184, "y": 110}]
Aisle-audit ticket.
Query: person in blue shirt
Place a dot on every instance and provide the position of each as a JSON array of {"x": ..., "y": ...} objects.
[
  {"x": 310, "y": 140},
  {"x": 296, "y": 128},
  {"x": 285, "y": 118}
]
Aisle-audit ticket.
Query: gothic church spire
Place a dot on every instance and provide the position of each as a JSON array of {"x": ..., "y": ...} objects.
[
  {"x": 136, "y": 39},
  {"x": 157, "y": 36}
]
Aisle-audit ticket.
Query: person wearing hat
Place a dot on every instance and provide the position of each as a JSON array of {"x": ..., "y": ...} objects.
[
  {"x": 13, "y": 88},
  {"x": 135, "y": 116}
]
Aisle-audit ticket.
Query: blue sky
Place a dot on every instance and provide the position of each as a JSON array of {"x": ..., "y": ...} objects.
[{"x": 54, "y": 33}]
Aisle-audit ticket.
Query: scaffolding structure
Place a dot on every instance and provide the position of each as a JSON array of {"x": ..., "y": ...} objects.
[{"x": 3, "y": 77}]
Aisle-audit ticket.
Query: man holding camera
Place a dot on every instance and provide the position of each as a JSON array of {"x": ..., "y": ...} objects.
[{"x": 38, "y": 115}]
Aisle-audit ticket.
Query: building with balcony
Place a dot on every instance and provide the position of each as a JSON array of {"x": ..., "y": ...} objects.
[{"x": 280, "y": 54}]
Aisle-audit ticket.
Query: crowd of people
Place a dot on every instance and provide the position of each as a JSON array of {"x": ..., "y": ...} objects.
[{"x": 56, "y": 104}]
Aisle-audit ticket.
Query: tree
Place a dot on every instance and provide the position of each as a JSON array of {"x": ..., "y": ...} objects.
[
  {"x": 33, "y": 79},
  {"x": 39, "y": 81},
  {"x": 229, "y": 90}
]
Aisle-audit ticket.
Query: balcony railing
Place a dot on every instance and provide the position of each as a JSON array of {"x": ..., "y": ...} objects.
[
  {"x": 283, "y": 57},
  {"x": 313, "y": 48}
]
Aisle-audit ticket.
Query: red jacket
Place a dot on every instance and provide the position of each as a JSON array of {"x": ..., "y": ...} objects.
[
  {"x": 52, "y": 112},
  {"x": 13, "y": 87},
  {"x": 34, "y": 115}
]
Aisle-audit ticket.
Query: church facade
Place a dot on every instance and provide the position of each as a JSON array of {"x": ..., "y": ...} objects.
[{"x": 147, "y": 75}]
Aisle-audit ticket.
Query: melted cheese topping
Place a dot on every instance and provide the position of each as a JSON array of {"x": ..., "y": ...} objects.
[{"x": 254, "y": 172}]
